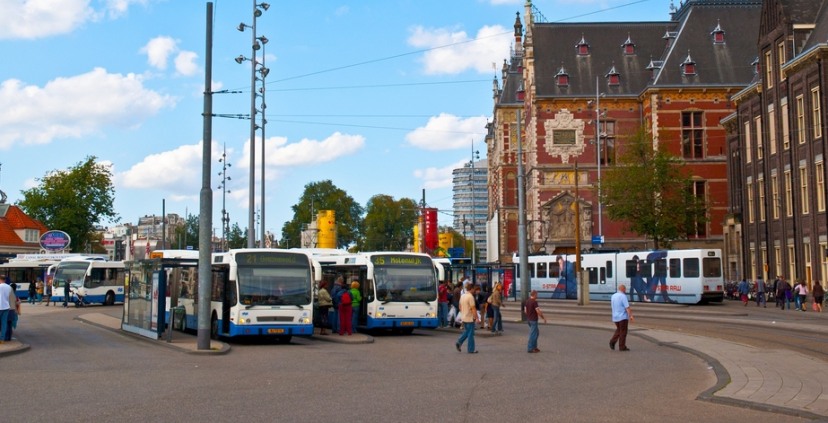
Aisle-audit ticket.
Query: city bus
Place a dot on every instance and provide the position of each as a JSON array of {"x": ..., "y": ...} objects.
[
  {"x": 399, "y": 289},
  {"x": 667, "y": 276},
  {"x": 26, "y": 268},
  {"x": 255, "y": 292},
  {"x": 103, "y": 279}
]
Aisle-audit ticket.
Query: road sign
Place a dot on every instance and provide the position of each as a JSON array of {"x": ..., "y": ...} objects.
[
  {"x": 456, "y": 252},
  {"x": 598, "y": 239}
]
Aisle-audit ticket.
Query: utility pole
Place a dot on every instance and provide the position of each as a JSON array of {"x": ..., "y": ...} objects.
[
  {"x": 205, "y": 218},
  {"x": 523, "y": 247}
]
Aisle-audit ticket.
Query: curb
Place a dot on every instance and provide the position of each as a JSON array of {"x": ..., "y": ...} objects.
[
  {"x": 21, "y": 347},
  {"x": 224, "y": 349}
]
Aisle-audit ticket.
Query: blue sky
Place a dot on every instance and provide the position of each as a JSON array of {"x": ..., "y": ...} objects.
[{"x": 379, "y": 96}]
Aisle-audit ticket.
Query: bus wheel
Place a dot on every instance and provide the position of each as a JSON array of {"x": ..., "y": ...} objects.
[
  {"x": 110, "y": 298},
  {"x": 214, "y": 327}
]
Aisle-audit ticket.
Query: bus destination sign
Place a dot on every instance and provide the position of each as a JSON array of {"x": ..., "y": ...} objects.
[{"x": 400, "y": 260}]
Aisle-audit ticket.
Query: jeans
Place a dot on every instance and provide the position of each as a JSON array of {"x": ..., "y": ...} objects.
[
  {"x": 497, "y": 323},
  {"x": 335, "y": 319},
  {"x": 355, "y": 317},
  {"x": 468, "y": 333},
  {"x": 442, "y": 314},
  {"x": 5, "y": 324},
  {"x": 533, "y": 335}
]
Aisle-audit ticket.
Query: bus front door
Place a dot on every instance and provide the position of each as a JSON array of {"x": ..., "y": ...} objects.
[{"x": 227, "y": 302}]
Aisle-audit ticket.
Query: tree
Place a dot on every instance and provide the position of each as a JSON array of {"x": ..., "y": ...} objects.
[
  {"x": 389, "y": 224},
  {"x": 236, "y": 238},
  {"x": 74, "y": 200},
  {"x": 187, "y": 234},
  {"x": 325, "y": 195},
  {"x": 649, "y": 192}
]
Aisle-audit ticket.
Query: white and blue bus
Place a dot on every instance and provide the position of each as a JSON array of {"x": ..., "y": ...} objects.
[
  {"x": 255, "y": 292},
  {"x": 26, "y": 268},
  {"x": 399, "y": 289},
  {"x": 667, "y": 276},
  {"x": 102, "y": 279}
]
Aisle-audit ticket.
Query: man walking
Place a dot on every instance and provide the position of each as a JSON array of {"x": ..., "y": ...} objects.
[
  {"x": 5, "y": 308},
  {"x": 744, "y": 290},
  {"x": 468, "y": 314},
  {"x": 533, "y": 312},
  {"x": 621, "y": 316},
  {"x": 760, "y": 293}
]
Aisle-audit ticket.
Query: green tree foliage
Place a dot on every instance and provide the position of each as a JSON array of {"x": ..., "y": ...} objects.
[
  {"x": 649, "y": 192},
  {"x": 389, "y": 224},
  {"x": 237, "y": 238},
  {"x": 324, "y": 195},
  {"x": 187, "y": 234},
  {"x": 74, "y": 200}
]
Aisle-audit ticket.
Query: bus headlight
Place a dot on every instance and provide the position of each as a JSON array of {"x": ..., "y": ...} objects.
[
  {"x": 431, "y": 314},
  {"x": 243, "y": 320},
  {"x": 305, "y": 320},
  {"x": 379, "y": 315}
]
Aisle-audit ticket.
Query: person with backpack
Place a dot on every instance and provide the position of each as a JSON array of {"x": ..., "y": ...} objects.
[
  {"x": 336, "y": 295},
  {"x": 345, "y": 313},
  {"x": 356, "y": 300}
]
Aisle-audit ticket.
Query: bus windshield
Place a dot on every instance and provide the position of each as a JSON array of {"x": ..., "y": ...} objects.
[
  {"x": 405, "y": 283},
  {"x": 74, "y": 272},
  {"x": 274, "y": 285}
]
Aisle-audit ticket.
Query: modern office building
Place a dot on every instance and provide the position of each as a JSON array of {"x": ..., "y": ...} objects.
[{"x": 471, "y": 200}]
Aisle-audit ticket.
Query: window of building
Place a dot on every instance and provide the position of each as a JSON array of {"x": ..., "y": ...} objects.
[
  {"x": 562, "y": 78},
  {"x": 780, "y": 56},
  {"x": 800, "y": 119},
  {"x": 688, "y": 66},
  {"x": 582, "y": 47},
  {"x": 803, "y": 187},
  {"x": 692, "y": 135},
  {"x": 760, "y": 149},
  {"x": 816, "y": 121},
  {"x": 748, "y": 143},
  {"x": 819, "y": 175},
  {"x": 750, "y": 201},
  {"x": 823, "y": 263},
  {"x": 768, "y": 70},
  {"x": 764, "y": 252},
  {"x": 791, "y": 262},
  {"x": 760, "y": 185},
  {"x": 786, "y": 134},
  {"x": 718, "y": 34},
  {"x": 771, "y": 130},
  {"x": 775, "y": 196},
  {"x": 788, "y": 194},
  {"x": 607, "y": 142},
  {"x": 628, "y": 46},
  {"x": 753, "y": 263},
  {"x": 698, "y": 189},
  {"x": 777, "y": 256},
  {"x": 613, "y": 77},
  {"x": 806, "y": 255}
]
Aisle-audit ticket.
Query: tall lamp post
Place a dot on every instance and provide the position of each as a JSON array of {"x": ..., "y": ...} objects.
[
  {"x": 598, "y": 143},
  {"x": 225, "y": 217},
  {"x": 263, "y": 71},
  {"x": 251, "y": 231}
]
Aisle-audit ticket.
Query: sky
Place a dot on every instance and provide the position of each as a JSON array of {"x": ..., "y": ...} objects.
[{"x": 377, "y": 96}]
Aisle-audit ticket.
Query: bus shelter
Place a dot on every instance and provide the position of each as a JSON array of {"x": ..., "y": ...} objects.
[{"x": 149, "y": 283}]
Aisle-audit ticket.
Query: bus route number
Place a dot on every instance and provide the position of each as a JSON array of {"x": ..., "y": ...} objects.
[{"x": 275, "y": 331}]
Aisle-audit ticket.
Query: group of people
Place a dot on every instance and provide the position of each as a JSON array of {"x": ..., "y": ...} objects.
[
  {"x": 488, "y": 305},
  {"x": 783, "y": 292},
  {"x": 38, "y": 291},
  {"x": 344, "y": 303}
]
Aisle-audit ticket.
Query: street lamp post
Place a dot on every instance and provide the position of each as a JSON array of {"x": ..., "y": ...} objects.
[
  {"x": 263, "y": 71},
  {"x": 598, "y": 144},
  {"x": 225, "y": 217},
  {"x": 251, "y": 231}
]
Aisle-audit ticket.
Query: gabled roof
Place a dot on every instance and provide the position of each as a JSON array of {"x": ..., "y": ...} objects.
[
  {"x": 14, "y": 219},
  {"x": 820, "y": 33},
  {"x": 555, "y": 46},
  {"x": 724, "y": 64},
  {"x": 511, "y": 83},
  {"x": 800, "y": 11}
]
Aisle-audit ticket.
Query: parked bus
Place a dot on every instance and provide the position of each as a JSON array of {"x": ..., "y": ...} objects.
[
  {"x": 668, "y": 276},
  {"x": 26, "y": 268},
  {"x": 102, "y": 279},
  {"x": 255, "y": 292},
  {"x": 399, "y": 289}
]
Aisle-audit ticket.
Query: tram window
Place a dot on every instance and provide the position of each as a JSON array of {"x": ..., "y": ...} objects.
[
  {"x": 593, "y": 275},
  {"x": 554, "y": 270},
  {"x": 541, "y": 270},
  {"x": 608, "y": 269},
  {"x": 631, "y": 268},
  {"x": 712, "y": 267},
  {"x": 675, "y": 268},
  {"x": 531, "y": 270},
  {"x": 691, "y": 267}
]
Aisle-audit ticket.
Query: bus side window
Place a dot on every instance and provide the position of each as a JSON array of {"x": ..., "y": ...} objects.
[
  {"x": 691, "y": 267},
  {"x": 675, "y": 268}
]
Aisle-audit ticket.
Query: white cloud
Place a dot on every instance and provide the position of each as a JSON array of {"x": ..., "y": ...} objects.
[
  {"x": 158, "y": 51},
  {"x": 435, "y": 178},
  {"x": 33, "y": 19},
  {"x": 448, "y": 132},
  {"x": 185, "y": 63},
  {"x": 72, "y": 107},
  {"x": 280, "y": 153},
  {"x": 452, "y": 52},
  {"x": 181, "y": 170}
]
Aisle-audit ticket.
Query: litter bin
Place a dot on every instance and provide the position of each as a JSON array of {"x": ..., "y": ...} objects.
[{"x": 178, "y": 318}]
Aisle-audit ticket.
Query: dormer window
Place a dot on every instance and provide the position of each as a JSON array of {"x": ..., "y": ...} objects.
[
  {"x": 582, "y": 47},
  {"x": 628, "y": 46},
  {"x": 718, "y": 34},
  {"x": 669, "y": 36},
  {"x": 562, "y": 78},
  {"x": 613, "y": 77},
  {"x": 688, "y": 66},
  {"x": 521, "y": 93},
  {"x": 755, "y": 64},
  {"x": 655, "y": 66}
]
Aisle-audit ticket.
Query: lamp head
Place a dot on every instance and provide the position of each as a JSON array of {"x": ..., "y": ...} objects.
[
  {"x": 241, "y": 27},
  {"x": 240, "y": 59},
  {"x": 256, "y": 45},
  {"x": 263, "y": 39},
  {"x": 257, "y": 13},
  {"x": 264, "y": 71},
  {"x": 264, "y": 6}
]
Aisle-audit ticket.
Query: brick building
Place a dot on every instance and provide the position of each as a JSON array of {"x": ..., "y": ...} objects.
[
  {"x": 19, "y": 233},
  {"x": 571, "y": 81}
]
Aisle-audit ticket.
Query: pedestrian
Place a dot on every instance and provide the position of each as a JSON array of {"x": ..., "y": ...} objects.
[
  {"x": 39, "y": 290},
  {"x": 744, "y": 290},
  {"x": 455, "y": 303},
  {"x": 802, "y": 297},
  {"x": 779, "y": 292},
  {"x": 356, "y": 301},
  {"x": 336, "y": 294},
  {"x": 482, "y": 305},
  {"x": 468, "y": 314},
  {"x": 496, "y": 304},
  {"x": 32, "y": 291},
  {"x": 533, "y": 312},
  {"x": 442, "y": 304},
  {"x": 5, "y": 308},
  {"x": 760, "y": 293},
  {"x": 621, "y": 316},
  {"x": 819, "y": 296},
  {"x": 66, "y": 293},
  {"x": 325, "y": 303},
  {"x": 48, "y": 292},
  {"x": 788, "y": 295},
  {"x": 345, "y": 313}
]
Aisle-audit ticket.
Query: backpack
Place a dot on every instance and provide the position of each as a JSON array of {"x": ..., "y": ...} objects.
[{"x": 345, "y": 299}]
